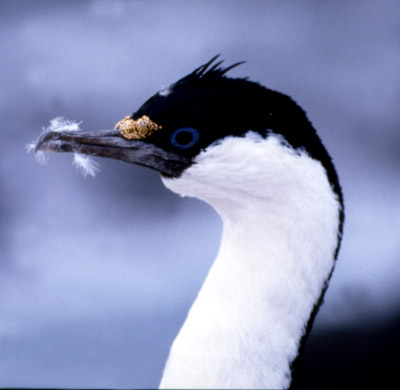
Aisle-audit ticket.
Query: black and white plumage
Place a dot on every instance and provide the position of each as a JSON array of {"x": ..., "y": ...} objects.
[{"x": 254, "y": 156}]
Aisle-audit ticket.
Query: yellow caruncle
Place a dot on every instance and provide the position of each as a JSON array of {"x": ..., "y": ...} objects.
[{"x": 137, "y": 129}]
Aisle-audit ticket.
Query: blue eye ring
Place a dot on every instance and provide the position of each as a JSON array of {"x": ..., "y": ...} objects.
[{"x": 184, "y": 131}]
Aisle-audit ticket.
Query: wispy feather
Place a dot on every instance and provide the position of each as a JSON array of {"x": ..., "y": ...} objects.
[
  {"x": 39, "y": 155},
  {"x": 85, "y": 165},
  {"x": 62, "y": 124},
  {"x": 80, "y": 161}
]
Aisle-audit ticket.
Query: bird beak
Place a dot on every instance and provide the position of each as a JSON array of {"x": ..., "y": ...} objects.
[{"x": 110, "y": 144}]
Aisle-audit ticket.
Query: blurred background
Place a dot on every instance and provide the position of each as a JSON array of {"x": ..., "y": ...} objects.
[{"x": 97, "y": 275}]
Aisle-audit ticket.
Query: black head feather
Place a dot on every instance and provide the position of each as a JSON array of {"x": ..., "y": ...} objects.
[{"x": 209, "y": 71}]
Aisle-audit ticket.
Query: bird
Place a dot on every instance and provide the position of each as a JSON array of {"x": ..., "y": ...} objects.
[{"x": 254, "y": 156}]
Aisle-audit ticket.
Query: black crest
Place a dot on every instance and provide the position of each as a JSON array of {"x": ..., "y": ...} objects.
[{"x": 211, "y": 69}]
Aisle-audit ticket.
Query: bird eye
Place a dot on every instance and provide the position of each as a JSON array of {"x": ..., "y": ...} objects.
[{"x": 184, "y": 137}]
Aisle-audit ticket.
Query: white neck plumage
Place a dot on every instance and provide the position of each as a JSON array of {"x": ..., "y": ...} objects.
[{"x": 281, "y": 221}]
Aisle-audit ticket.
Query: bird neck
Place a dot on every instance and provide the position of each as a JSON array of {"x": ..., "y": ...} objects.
[{"x": 276, "y": 254}]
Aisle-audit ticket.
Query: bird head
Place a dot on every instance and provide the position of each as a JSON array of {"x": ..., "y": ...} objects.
[{"x": 179, "y": 126}]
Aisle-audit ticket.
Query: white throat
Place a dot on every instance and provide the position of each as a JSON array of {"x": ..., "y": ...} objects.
[{"x": 281, "y": 221}]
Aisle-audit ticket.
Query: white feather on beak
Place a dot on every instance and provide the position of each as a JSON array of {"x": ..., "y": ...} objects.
[{"x": 84, "y": 163}]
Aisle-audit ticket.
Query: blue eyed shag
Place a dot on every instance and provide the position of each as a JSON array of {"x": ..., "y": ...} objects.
[{"x": 254, "y": 156}]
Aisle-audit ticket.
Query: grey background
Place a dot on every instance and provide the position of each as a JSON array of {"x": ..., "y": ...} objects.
[{"x": 97, "y": 275}]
